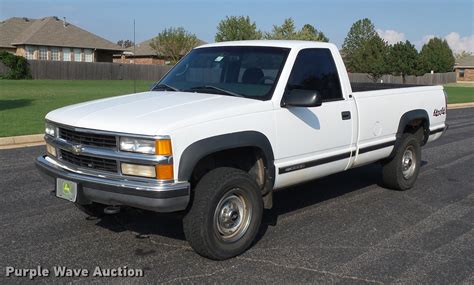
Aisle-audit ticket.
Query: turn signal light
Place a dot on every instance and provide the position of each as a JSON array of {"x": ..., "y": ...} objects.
[
  {"x": 164, "y": 172},
  {"x": 163, "y": 147}
]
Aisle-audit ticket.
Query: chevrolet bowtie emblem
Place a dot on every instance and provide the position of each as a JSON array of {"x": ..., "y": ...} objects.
[{"x": 77, "y": 149}]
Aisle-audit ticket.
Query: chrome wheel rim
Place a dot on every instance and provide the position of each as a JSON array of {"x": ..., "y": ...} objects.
[
  {"x": 232, "y": 216},
  {"x": 408, "y": 162}
]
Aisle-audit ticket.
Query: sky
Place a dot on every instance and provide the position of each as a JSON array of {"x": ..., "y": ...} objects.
[{"x": 414, "y": 20}]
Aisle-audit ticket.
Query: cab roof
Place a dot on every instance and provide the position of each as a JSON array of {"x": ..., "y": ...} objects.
[{"x": 273, "y": 43}]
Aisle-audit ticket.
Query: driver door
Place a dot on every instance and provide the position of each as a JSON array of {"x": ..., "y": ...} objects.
[{"x": 313, "y": 141}]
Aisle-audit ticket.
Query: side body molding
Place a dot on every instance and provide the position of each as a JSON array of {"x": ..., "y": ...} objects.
[{"x": 200, "y": 149}]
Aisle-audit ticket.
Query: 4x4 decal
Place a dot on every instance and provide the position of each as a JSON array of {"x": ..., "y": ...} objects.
[{"x": 437, "y": 112}]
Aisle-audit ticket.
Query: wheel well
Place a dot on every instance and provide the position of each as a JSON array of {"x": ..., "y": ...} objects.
[
  {"x": 248, "y": 159},
  {"x": 418, "y": 127}
]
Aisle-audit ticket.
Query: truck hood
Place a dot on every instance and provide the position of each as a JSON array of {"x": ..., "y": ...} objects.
[{"x": 154, "y": 112}]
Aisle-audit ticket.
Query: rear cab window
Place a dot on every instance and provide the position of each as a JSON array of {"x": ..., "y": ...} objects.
[{"x": 314, "y": 69}]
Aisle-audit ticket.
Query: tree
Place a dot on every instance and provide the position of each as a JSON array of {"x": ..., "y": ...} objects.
[
  {"x": 125, "y": 43},
  {"x": 174, "y": 43},
  {"x": 360, "y": 32},
  {"x": 371, "y": 58},
  {"x": 310, "y": 33},
  {"x": 287, "y": 31},
  {"x": 235, "y": 28},
  {"x": 402, "y": 59},
  {"x": 17, "y": 66},
  {"x": 437, "y": 56}
]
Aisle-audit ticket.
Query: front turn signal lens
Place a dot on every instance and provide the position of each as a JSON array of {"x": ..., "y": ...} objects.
[
  {"x": 164, "y": 172},
  {"x": 163, "y": 147}
]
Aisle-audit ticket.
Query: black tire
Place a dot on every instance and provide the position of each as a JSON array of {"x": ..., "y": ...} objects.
[
  {"x": 94, "y": 210},
  {"x": 398, "y": 174},
  {"x": 207, "y": 229}
]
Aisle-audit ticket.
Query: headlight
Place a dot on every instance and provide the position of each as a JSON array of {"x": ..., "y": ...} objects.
[
  {"x": 137, "y": 145},
  {"x": 146, "y": 146},
  {"x": 49, "y": 129}
]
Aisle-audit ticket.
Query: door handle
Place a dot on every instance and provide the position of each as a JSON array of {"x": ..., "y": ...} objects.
[{"x": 346, "y": 115}]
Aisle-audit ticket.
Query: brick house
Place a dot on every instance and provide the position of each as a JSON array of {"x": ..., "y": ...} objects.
[
  {"x": 143, "y": 54},
  {"x": 53, "y": 39},
  {"x": 464, "y": 69}
]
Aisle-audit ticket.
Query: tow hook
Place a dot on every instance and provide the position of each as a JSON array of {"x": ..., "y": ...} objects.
[{"x": 111, "y": 210}]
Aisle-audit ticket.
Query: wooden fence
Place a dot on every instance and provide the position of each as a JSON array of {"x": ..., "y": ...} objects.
[
  {"x": 93, "y": 70},
  {"x": 427, "y": 79},
  {"x": 117, "y": 71},
  {"x": 3, "y": 68}
]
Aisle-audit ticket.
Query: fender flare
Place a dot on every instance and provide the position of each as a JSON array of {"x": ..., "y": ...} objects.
[
  {"x": 405, "y": 120},
  {"x": 202, "y": 148}
]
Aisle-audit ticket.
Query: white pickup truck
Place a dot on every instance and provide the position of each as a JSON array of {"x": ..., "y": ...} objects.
[{"x": 228, "y": 125}]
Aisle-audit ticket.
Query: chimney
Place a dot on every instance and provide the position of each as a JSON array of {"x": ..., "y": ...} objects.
[{"x": 64, "y": 22}]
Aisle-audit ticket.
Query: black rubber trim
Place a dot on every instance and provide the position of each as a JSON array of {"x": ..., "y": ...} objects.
[
  {"x": 316, "y": 162},
  {"x": 333, "y": 158},
  {"x": 405, "y": 120},
  {"x": 437, "y": 131},
  {"x": 148, "y": 194},
  {"x": 200, "y": 149},
  {"x": 410, "y": 116},
  {"x": 376, "y": 147}
]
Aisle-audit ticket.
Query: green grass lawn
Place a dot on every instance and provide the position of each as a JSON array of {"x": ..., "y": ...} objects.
[
  {"x": 459, "y": 93},
  {"x": 24, "y": 103}
]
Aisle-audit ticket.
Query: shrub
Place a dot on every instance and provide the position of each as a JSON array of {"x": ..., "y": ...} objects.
[{"x": 18, "y": 66}]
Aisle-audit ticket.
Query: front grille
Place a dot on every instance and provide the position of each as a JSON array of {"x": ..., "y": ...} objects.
[
  {"x": 98, "y": 140},
  {"x": 89, "y": 161}
]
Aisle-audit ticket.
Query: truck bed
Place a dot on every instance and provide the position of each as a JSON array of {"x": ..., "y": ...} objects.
[{"x": 360, "y": 87}]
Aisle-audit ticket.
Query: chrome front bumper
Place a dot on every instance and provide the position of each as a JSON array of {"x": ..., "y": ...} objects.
[{"x": 158, "y": 197}]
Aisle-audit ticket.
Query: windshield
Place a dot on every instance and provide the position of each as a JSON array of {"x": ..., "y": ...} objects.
[{"x": 244, "y": 71}]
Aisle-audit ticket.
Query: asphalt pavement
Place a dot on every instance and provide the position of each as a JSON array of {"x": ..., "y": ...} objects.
[{"x": 344, "y": 228}]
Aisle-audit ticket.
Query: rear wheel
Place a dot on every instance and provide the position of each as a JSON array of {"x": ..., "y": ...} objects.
[
  {"x": 225, "y": 215},
  {"x": 401, "y": 172}
]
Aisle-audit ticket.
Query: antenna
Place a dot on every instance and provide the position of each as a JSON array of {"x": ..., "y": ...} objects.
[{"x": 134, "y": 59}]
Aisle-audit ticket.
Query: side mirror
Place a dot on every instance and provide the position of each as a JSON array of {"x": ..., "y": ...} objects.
[{"x": 301, "y": 98}]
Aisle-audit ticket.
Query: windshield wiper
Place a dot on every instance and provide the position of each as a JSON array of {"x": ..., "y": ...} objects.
[
  {"x": 164, "y": 86},
  {"x": 211, "y": 87}
]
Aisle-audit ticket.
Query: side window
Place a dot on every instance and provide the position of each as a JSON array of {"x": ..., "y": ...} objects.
[{"x": 314, "y": 69}]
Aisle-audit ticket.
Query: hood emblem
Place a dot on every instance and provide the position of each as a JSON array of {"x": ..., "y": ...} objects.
[{"x": 76, "y": 149}]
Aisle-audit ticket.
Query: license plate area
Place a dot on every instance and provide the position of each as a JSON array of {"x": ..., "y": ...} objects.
[{"x": 66, "y": 189}]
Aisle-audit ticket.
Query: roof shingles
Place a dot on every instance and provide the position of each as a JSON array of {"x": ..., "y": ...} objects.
[
  {"x": 144, "y": 48},
  {"x": 49, "y": 31},
  {"x": 11, "y": 28},
  {"x": 466, "y": 61}
]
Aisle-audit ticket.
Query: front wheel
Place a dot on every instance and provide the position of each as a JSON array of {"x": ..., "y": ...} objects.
[
  {"x": 401, "y": 171},
  {"x": 225, "y": 215}
]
